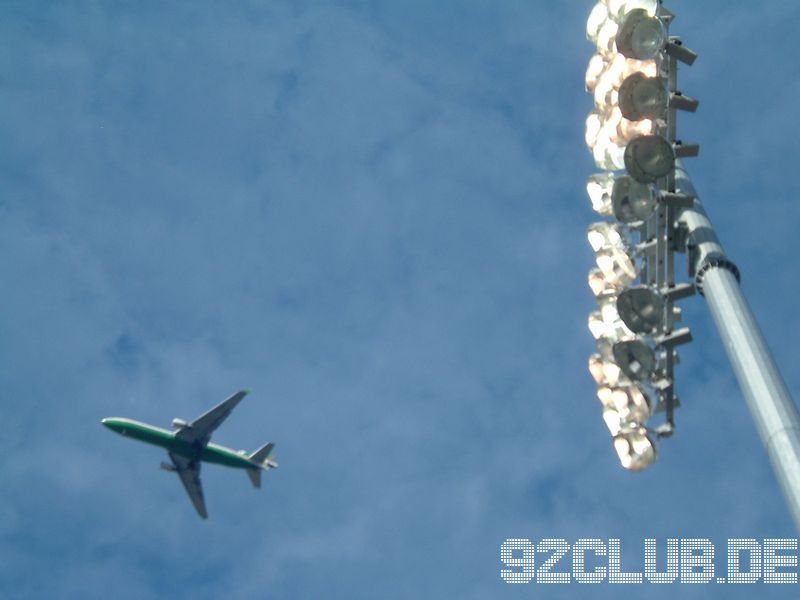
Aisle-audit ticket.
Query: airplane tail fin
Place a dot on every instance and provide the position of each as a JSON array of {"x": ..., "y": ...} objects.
[{"x": 261, "y": 460}]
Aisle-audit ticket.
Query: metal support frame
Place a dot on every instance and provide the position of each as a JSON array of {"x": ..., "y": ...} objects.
[{"x": 717, "y": 278}]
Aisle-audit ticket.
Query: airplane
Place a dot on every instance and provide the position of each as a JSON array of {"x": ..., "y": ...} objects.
[{"x": 188, "y": 445}]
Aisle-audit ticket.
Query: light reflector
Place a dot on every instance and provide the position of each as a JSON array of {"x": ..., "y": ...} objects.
[
  {"x": 642, "y": 97},
  {"x": 632, "y": 201},
  {"x": 641, "y": 35},
  {"x": 636, "y": 358},
  {"x": 649, "y": 157},
  {"x": 641, "y": 308}
]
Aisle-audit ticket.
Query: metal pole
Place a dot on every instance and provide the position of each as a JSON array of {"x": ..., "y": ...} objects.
[{"x": 717, "y": 278}]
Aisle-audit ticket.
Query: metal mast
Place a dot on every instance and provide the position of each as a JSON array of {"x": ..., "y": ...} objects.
[{"x": 775, "y": 414}]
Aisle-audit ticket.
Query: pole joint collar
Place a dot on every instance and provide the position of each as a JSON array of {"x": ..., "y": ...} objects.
[{"x": 715, "y": 261}]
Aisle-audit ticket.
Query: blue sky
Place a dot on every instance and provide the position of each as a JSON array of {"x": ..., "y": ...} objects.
[{"x": 373, "y": 215}]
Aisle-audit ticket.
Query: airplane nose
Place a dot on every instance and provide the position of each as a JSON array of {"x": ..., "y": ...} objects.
[{"x": 111, "y": 423}]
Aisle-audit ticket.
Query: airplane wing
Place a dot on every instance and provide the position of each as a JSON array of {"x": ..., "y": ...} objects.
[
  {"x": 189, "y": 472},
  {"x": 201, "y": 428}
]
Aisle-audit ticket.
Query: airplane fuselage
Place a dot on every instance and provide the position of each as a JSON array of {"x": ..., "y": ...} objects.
[{"x": 211, "y": 453}]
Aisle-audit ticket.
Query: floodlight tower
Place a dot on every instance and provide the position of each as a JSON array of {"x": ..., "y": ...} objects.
[{"x": 644, "y": 188}]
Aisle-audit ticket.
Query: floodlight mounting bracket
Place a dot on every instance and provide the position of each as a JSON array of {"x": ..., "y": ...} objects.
[
  {"x": 676, "y": 50},
  {"x": 664, "y": 430},
  {"x": 685, "y": 150},
  {"x": 676, "y": 200},
  {"x": 678, "y": 291},
  {"x": 681, "y": 102},
  {"x": 677, "y": 337}
]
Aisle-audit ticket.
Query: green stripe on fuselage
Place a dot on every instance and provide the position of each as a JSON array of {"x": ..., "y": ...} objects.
[{"x": 212, "y": 453}]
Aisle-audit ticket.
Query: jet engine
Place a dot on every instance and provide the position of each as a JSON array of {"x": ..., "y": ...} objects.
[
  {"x": 179, "y": 423},
  {"x": 168, "y": 467}
]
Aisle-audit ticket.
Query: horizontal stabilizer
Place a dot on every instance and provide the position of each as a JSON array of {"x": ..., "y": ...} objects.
[{"x": 262, "y": 453}]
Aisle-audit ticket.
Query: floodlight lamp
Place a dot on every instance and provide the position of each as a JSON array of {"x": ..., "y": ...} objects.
[
  {"x": 606, "y": 36},
  {"x": 631, "y": 402},
  {"x": 602, "y": 234},
  {"x": 648, "y": 68},
  {"x": 596, "y": 368},
  {"x": 595, "y": 22},
  {"x": 604, "y": 372},
  {"x": 608, "y": 154},
  {"x": 594, "y": 70},
  {"x": 594, "y": 123},
  {"x": 619, "y": 8},
  {"x": 614, "y": 7},
  {"x": 615, "y": 67},
  {"x": 620, "y": 67},
  {"x": 641, "y": 97},
  {"x": 641, "y": 308},
  {"x": 612, "y": 420},
  {"x": 599, "y": 187},
  {"x": 605, "y": 344},
  {"x": 597, "y": 282},
  {"x": 605, "y": 94},
  {"x": 606, "y": 326},
  {"x": 632, "y": 201},
  {"x": 628, "y": 130},
  {"x": 600, "y": 286},
  {"x": 608, "y": 310},
  {"x": 636, "y": 358},
  {"x": 641, "y": 35},
  {"x": 649, "y": 157},
  {"x": 617, "y": 265},
  {"x": 615, "y": 132},
  {"x": 596, "y": 325},
  {"x": 635, "y": 449}
]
